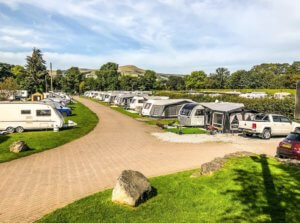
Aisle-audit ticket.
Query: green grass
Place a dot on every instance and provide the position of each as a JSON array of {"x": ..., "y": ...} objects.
[
  {"x": 187, "y": 130},
  {"x": 253, "y": 189},
  {"x": 125, "y": 112},
  {"x": 42, "y": 140}
]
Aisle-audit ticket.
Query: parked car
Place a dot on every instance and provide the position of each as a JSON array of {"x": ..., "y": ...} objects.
[
  {"x": 290, "y": 146},
  {"x": 268, "y": 125}
]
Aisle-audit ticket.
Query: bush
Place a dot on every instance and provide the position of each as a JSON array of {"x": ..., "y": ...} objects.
[{"x": 265, "y": 105}]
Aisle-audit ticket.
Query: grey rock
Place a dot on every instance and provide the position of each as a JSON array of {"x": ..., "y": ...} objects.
[
  {"x": 18, "y": 146},
  {"x": 132, "y": 188}
]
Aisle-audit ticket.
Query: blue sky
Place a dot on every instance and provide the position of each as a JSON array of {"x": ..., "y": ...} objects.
[{"x": 170, "y": 36}]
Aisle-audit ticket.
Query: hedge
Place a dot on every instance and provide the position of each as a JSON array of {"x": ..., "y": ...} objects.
[{"x": 265, "y": 105}]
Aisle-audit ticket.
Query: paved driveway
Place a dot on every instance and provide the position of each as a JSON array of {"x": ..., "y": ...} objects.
[{"x": 38, "y": 184}]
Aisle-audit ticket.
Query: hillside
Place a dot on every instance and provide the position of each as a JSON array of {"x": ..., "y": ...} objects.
[{"x": 131, "y": 70}]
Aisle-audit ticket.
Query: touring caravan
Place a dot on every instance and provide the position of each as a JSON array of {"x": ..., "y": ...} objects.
[
  {"x": 20, "y": 116},
  {"x": 163, "y": 108},
  {"x": 192, "y": 114}
]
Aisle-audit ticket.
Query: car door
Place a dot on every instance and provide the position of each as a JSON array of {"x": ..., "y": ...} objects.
[
  {"x": 276, "y": 126},
  {"x": 286, "y": 125}
]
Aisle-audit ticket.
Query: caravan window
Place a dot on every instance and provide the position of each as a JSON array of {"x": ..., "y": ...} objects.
[
  {"x": 147, "y": 106},
  {"x": 25, "y": 112},
  {"x": 199, "y": 112},
  {"x": 140, "y": 101},
  {"x": 45, "y": 112}
]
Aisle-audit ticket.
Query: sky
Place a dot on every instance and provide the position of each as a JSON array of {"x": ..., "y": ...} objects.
[{"x": 168, "y": 36}]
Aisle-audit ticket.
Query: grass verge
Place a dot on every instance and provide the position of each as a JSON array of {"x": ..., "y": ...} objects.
[
  {"x": 188, "y": 130},
  {"x": 251, "y": 189},
  {"x": 42, "y": 140}
]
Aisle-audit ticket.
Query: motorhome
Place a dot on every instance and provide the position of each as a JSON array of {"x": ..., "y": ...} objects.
[
  {"x": 163, "y": 108},
  {"x": 20, "y": 116},
  {"x": 192, "y": 115}
]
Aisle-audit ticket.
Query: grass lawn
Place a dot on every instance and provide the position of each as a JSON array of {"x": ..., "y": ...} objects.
[
  {"x": 187, "y": 130},
  {"x": 251, "y": 189},
  {"x": 42, "y": 140}
]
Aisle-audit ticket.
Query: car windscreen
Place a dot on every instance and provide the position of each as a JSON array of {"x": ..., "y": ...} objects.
[{"x": 293, "y": 137}]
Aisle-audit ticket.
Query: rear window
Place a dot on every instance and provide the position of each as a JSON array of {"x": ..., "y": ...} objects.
[
  {"x": 294, "y": 137},
  {"x": 262, "y": 117}
]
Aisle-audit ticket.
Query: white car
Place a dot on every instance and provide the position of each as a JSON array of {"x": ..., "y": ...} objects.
[{"x": 268, "y": 125}]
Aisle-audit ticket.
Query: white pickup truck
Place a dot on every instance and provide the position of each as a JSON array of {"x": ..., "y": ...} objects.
[{"x": 268, "y": 125}]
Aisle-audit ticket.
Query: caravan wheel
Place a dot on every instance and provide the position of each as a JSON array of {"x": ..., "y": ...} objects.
[
  {"x": 10, "y": 129},
  {"x": 19, "y": 129}
]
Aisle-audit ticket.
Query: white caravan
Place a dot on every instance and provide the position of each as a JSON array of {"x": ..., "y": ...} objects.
[
  {"x": 192, "y": 114},
  {"x": 20, "y": 116}
]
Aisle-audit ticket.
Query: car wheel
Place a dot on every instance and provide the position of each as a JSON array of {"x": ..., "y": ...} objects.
[
  {"x": 10, "y": 129},
  {"x": 19, "y": 129},
  {"x": 267, "y": 134}
]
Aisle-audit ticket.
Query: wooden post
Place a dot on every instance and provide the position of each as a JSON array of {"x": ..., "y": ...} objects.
[{"x": 297, "y": 108}]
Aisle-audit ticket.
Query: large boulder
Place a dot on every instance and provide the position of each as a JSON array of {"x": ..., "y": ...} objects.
[
  {"x": 18, "y": 146},
  {"x": 132, "y": 188}
]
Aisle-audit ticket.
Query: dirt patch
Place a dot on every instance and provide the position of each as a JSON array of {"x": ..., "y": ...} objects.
[{"x": 290, "y": 162}]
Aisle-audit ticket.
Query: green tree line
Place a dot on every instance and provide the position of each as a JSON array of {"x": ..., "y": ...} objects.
[{"x": 34, "y": 77}]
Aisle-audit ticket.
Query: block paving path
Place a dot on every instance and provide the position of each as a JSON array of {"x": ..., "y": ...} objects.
[{"x": 33, "y": 186}]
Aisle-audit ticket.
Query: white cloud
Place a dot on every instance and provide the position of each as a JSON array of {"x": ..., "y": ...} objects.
[{"x": 174, "y": 35}]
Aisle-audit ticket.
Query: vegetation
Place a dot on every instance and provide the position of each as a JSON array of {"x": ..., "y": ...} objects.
[
  {"x": 187, "y": 130},
  {"x": 268, "y": 105},
  {"x": 34, "y": 77},
  {"x": 252, "y": 189},
  {"x": 126, "y": 112},
  {"x": 42, "y": 140}
]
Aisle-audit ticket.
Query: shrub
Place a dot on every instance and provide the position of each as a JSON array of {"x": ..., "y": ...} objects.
[{"x": 265, "y": 105}]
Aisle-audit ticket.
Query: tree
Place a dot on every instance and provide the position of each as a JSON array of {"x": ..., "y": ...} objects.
[
  {"x": 37, "y": 70},
  {"x": 220, "y": 78},
  {"x": 128, "y": 83},
  {"x": 237, "y": 80},
  {"x": 5, "y": 71},
  {"x": 72, "y": 80},
  {"x": 90, "y": 84},
  {"x": 108, "y": 76},
  {"x": 175, "y": 83},
  {"x": 147, "y": 82},
  {"x": 196, "y": 80},
  {"x": 17, "y": 70},
  {"x": 8, "y": 88}
]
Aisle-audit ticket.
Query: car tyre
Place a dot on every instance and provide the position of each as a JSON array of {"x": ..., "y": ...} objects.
[
  {"x": 266, "y": 134},
  {"x": 10, "y": 129},
  {"x": 19, "y": 129}
]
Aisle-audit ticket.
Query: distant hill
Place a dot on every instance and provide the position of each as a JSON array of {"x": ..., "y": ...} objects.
[{"x": 130, "y": 70}]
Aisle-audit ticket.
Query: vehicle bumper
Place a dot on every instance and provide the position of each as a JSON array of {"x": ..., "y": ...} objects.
[{"x": 288, "y": 153}]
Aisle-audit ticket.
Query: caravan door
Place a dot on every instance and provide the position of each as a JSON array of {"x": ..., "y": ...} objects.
[{"x": 198, "y": 118}]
